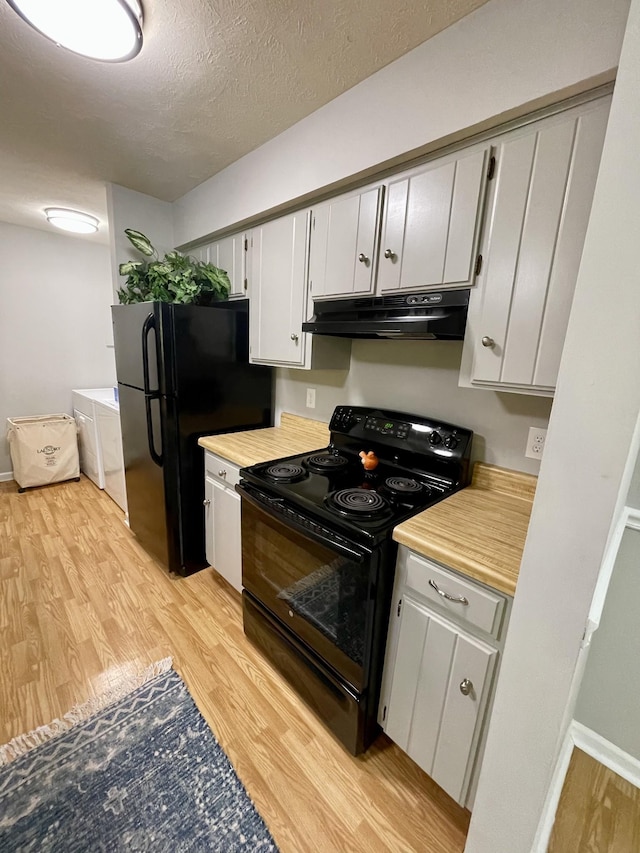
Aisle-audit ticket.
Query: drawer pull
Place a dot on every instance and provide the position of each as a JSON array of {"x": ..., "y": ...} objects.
[
  {"x": 466, "y": 686},
  {"x": 457, "y": 599},
  {"x": 206, "y": 502},
  {"x": 222, "y": 473}
]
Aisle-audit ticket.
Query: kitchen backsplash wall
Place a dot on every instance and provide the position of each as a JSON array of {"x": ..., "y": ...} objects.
[{"x": 421, "y": 377}]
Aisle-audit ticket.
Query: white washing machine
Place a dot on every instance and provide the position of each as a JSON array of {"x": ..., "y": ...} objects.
[{"x": 100, "y": 440}]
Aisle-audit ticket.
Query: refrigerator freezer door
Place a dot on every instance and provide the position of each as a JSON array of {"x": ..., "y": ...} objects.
[
  {"x": 135, "y": 330},
  {"x": 145, "y": 479}
]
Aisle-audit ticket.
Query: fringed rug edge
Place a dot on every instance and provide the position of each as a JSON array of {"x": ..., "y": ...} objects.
[{"x": 21, "y": 744}]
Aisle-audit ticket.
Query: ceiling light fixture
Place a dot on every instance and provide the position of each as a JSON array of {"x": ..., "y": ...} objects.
[
  {"x": 109, "y": 30},
  {"x": 71, "y": 220}
]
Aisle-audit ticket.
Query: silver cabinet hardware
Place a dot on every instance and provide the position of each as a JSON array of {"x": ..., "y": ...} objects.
[
  {"x": 363, "y": 258},
  {"x": 457, "y": 599},
  {"x": 488, "y": 342},
  {"x": 222, "y": 473},
  {"x": 294, "y": 337},
  {"x": 206, "y": 502},
  {"x": 466, "y": 686},
  {"x": 389, "y": 254}
]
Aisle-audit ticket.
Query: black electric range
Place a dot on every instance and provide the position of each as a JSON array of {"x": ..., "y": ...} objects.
[{"x": 319, "y": 559}]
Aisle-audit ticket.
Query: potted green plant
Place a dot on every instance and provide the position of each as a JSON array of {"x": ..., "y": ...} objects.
[{"x": 174, "y": 278}]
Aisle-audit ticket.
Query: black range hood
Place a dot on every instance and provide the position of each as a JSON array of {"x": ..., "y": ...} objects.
[{"x": 440, "y": 315}]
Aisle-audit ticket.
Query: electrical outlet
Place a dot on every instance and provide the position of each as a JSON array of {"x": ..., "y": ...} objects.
[
  {"x": 535, "y": 442},
  {"x": 311, "y": 398}
]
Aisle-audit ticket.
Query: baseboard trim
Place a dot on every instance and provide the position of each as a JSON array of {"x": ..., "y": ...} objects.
[
  {"x": 599, "y": 748},
  {"x": 8, "y": 475}
]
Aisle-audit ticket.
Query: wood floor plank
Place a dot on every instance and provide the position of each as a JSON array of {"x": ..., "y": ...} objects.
[
  {"x": 598, "y": 812},
  {"x": 82, "y": 606}
]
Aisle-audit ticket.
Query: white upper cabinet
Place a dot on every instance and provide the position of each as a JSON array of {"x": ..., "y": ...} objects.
[
  {"x": 430, "y": 228},
  {"x": 229, "y": 254},
  {"x": 344, "y": 244},
  {"x": 278, "y": 299},
  {"x": 431, "y": 225},
  {"x": 538, "y": 215}
]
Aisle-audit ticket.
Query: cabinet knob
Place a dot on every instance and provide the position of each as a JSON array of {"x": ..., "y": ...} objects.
[
  {"x": 206, "y": 502},
  {"x": 466, "y": 686},
  {"x": 488, "y": 342},
  {"x": 294, "y": 337},
  {"x": 222, "y": 473},
  {"x": 363, "y": 258},
  {"x": 389, "y": 254}
]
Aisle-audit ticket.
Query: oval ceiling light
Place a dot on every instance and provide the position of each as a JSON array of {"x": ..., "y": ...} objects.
[
  {"x": 71, "y": 220},
  {"x": 109, "y": 30}
]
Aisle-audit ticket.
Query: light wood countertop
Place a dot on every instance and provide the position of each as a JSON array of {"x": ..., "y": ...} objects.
[
  {"x": 294, "y": 435},
  {"x": 479, "y": 531}
]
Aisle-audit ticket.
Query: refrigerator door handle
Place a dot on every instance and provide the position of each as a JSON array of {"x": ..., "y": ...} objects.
[
  {"x": 158, "y": 458},
  {"x": 147, "y": 326}
]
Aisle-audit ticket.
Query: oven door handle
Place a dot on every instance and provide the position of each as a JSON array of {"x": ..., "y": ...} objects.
[{"x": 323, "y": 536}]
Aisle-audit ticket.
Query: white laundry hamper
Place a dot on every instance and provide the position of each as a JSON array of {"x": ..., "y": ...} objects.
[{"x": 43, "y": 449}]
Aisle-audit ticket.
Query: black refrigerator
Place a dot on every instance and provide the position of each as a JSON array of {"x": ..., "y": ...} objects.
[{"x": 183, "y": 372}]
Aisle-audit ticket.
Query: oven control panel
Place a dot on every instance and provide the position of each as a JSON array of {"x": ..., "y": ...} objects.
[
  {"x": 384, "y": 426},
  {"x": 412, "y": 433}
]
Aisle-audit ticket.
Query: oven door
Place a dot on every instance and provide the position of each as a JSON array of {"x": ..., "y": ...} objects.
[{"x": 320, "y": 586}]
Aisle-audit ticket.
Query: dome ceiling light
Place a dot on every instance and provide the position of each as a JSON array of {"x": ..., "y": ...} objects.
[
  {"x": 71, "y": 220},
  {"x": 108, "y": 30}
]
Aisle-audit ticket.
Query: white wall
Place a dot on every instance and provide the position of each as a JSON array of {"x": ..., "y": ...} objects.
[
  {"x": 591, "y": 435},
  {"x": 131, "y": 209},
  {"x": 55, "y": 323},
  {"x": 609, "y": 698},
  {"x": 421, "y": 377},
  {"x": 507, "y": 54}
]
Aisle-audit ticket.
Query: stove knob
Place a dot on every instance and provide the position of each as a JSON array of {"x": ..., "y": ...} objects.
[
  {"x": 434, "y": 438},
  {"x": 450, "y": 442}
]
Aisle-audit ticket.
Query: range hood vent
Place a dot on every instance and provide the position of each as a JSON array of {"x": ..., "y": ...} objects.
[{"x": 440, "y": 315}]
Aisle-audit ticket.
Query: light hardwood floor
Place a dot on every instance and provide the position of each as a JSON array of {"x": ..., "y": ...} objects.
[
  {"x": 598, "y": 812},
  {"x": 81, "y": 604}
]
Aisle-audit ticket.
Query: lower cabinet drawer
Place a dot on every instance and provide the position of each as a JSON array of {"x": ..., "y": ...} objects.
[
  {"x": 221, "y": 469},
  {"x": 480, "y": 607}
]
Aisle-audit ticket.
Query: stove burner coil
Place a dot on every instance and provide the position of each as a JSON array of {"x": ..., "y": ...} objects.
[
  {"x": 284, "y": 472},
  {"x": 326, "y": 462},
  {"x": 359, "y": 502},
  {"x": 404, "y": 486}
]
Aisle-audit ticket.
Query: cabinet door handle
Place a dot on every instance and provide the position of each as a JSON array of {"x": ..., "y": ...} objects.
[
  {"x": 487, "y": 341},
  {"x": 222, "y": 473},
  {"x": 206, "y": 502},
  {"x": 389, "y": 254},
  {"x": 466, "y": 686},
  {"x": 363, "y": 258},
  {"x": 294, "y": 337},
  {"x": 457, "y": 599}
]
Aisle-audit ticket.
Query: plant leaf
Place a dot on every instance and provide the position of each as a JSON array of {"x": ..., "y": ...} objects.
[{"x": 140, "y": 242}]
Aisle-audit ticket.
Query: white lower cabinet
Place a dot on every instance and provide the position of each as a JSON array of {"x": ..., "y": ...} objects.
[
  {"x": 223, "y": 542},
  {"x": 110, "y": 439},
  {"x": 440, "y": 671}
]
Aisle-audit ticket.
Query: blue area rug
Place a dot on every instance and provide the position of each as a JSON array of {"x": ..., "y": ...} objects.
[{"x": 142, "y": 774}]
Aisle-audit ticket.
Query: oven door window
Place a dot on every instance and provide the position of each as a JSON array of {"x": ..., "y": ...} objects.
[{"x": 324, "y": 598}]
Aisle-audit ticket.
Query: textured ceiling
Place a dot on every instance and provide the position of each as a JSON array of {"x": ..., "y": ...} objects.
[{"x": 214, "y": 80}]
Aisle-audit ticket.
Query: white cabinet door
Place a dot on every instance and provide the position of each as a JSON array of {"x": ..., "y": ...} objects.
[
  {"x": 344, "y": 245},
  {"x": 538, "y": 218},
  {"x": 227, "y": 547},
  {"x": 431, "y": 225},
  {"x": 229, "y": 255},
  {"x": 278, "y": 291},
  {"x": 208, "y": 521},
  {"x": 439, "y": 690}
]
